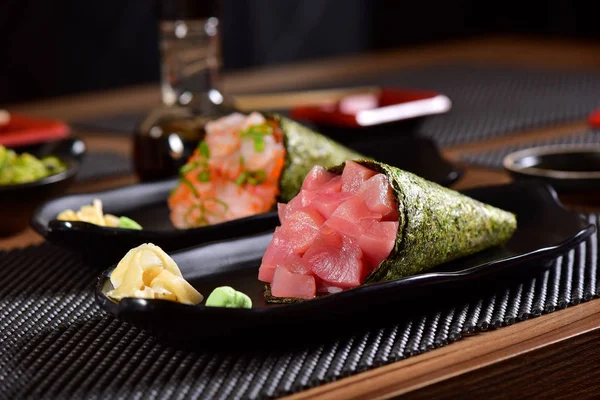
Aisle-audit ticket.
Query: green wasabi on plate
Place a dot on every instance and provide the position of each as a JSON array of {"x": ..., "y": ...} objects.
[
  {"x": 24, "y": 168},
  {"x": 226, "y": 296},
  {"x": 128, "y": 223}
]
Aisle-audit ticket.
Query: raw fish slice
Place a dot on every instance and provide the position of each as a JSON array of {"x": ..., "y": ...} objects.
[
  {"x": 354, "y": 175},
  {"x": 281, "y": 212},
  {"x": 316, "y": 178},
  {"x": 303, "y": 200},
  {"x": 377, "y": 242},
  {"x": 275, "y": 255},
  {"x": 291, "y": 285},
  {"x": 326, "y": 204},
  {"x": 378, "y": 196},
  {"x": 332, "y": 186},
  {"x": 349, "y": 216},
  {"x": 301, "y": 229},
  {"x": 339, "y": 266}
]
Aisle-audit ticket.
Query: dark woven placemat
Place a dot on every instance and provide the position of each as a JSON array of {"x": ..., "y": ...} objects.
[
  {"x": 56, "y": 343},
  {"x": 487, "y": 101},
  {"x": 104, "y": 164},
  {"x": 491, "y": 101},
  {"x": 494, "y": 158}
]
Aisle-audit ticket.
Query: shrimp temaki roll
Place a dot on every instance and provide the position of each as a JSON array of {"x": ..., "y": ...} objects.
[
  {"x": 245, "y": 164},
  {"x": 365, "y": 221}
]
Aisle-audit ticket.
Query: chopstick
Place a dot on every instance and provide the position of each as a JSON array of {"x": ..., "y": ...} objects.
[
  {"x": 282, "y": 100},
  {"x": 4, "y": 117}
]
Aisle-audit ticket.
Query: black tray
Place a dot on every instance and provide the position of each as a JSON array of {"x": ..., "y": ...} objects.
[
  {"x": 545, "y": 230},
  {"x": 146, "y": 204}
]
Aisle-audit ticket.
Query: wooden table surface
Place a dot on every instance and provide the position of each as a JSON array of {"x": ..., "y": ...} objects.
[{"x": 541, "y": 357}]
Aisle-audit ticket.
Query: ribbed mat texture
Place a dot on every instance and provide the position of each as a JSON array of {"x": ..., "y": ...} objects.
[
  {"x": 494, "y": 158},
  {"x": 56, "y": 343},
  {"x": 487, "y": 101}
]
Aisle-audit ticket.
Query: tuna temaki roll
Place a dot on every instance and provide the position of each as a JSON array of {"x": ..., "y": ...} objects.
[
  {"x": 364, "y": 221},
  {"x": 245, "y": 164}
]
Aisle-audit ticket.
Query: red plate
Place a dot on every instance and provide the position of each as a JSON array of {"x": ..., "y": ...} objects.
[
  {"x": 384, "y": 106},
  {"x": 24, "y": 130},
  {"x": 594, "y": 119}
]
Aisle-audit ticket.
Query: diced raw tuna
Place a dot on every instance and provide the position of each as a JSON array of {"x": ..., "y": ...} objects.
[
  {"x": 281, "y": 212},
  {"x": 327, "y": 203},
  {"x": 354, "y": 175},
  {"x": 294, "y": 263},
  {"x": 341, "y": 266},
  {"x": 349, "y": 216},
  {"x": 378, "y": 196},
  {"x": 377, "y": 242},
  {"x": 266, "y": 272},
  {"x": 302, "y": 200},
  {"x": 275, "y": 254},
  {"x": 316, "y": 178},
  {"x": 333, "y": 234},
  {"x": 333, "y": 186},
  {"x": 289, "y": 284},
  {"x": 301, "y": 229}
]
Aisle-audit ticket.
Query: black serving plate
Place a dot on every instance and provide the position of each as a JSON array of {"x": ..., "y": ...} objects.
[
  {"x": 18, "y": 202},
  {"x": 570, "y": 168},
  {"x": 545, "y": 230},
  {"x": 146, "y": 204}
]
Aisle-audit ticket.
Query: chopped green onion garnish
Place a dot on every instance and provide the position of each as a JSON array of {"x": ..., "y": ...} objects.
[
  {"x": 204, "y": 176},
  {"x": 203, "y": 149},
  {"x": 128, "y": 223},
  {"x": 255, "y": 130},
  {"x": 192, "y": 188},
  {"x": 259, "y": 143},
  {"x": 187, "y": 168},
  {"x": 242, "y": 178},
  {"x": 219, "y": 202},
  {"x": 257, "y": 177}
]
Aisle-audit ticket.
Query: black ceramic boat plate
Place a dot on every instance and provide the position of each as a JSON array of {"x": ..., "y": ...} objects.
[
  {"x": 545, "y": 230},
  {"x": 146, "y": 204},
  {"x": 18, "y": 202}
]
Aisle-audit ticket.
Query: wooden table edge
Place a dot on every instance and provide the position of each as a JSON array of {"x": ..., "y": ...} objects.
[{"x": 461, "y": 357}]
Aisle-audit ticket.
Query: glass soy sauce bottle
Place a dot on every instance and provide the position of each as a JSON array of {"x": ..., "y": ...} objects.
[{"x": 191, "y": 96}]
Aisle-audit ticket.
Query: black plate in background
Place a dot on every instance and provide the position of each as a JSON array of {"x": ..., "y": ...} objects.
[
  {"x": 146, "y": 204},
  {"x": 545, "y": 230},
  {"x": 18, "y": 202}
]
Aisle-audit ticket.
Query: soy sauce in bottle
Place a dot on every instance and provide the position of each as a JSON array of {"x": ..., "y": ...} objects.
[{"x": 191, "y": 96}]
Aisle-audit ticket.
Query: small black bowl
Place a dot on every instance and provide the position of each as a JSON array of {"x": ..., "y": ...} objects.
[
  {"x": 568, "y": 168},
  {"x": 18, "y": 202}
]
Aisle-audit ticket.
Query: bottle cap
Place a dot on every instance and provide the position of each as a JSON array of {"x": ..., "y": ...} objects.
[{"x": 187, "y": 9}]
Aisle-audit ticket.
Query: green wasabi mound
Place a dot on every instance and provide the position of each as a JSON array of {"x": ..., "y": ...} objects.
[
  {"x": 24, "y": 168},
  {"x": 128, "y": 223},
  {"x": 226, "y": 296}
]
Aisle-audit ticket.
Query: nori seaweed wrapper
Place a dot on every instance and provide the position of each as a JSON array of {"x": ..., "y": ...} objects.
[
  {"x": 436, "y": 225},
  {"x": 306, "y": 148}
]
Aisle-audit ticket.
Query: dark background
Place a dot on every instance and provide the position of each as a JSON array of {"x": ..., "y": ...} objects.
[{"x": 51, "y": 48}]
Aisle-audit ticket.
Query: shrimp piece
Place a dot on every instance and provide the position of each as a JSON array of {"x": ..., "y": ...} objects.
[
  {"x": 259, "y": 160},
  {"x": 253, "y": 119},
  {"x": 230, "y": 176}
]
